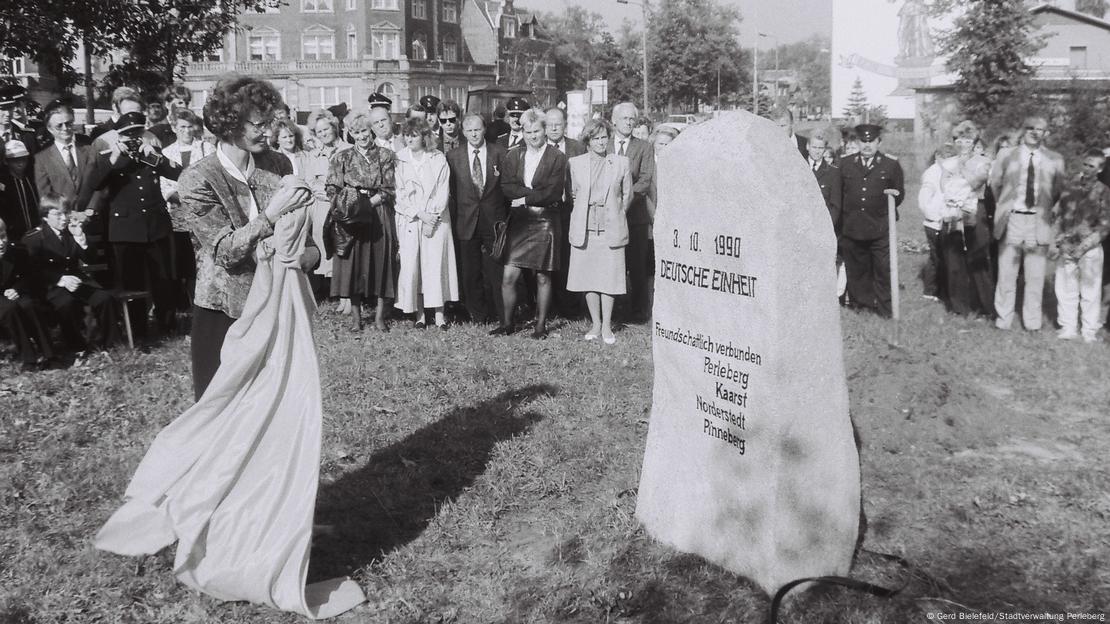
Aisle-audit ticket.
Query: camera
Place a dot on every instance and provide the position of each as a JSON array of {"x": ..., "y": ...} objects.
[{"x": 133, "y": 144}]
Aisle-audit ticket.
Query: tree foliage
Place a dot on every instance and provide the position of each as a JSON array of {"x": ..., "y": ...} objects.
[
  {"x": 1092, "y": 7},
  {"x": 157, "y": 36},
  {"x": 987, "y": 48},
  {"x": 688, "y": 42},
  {"x": 810, "y": 59},
  {"x": 584, "y": 50}
]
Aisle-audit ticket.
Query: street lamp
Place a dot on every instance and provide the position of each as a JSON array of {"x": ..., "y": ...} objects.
[
  {"x": 755, "y": 75},
  {"x": 643, "y": 9}
]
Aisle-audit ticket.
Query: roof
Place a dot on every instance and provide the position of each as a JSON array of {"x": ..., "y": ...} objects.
[{"x": 1076, "y": 15}]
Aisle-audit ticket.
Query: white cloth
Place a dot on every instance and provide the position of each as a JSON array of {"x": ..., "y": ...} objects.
[
  {"x": 1078, "y": 293},
  {"x": 233, "y": 480},
  {"x": 428, "y": 275},
  {"x": 241, "y": 176}
]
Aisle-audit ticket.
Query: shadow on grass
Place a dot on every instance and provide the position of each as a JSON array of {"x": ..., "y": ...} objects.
[{"x": 390, "y": 501}]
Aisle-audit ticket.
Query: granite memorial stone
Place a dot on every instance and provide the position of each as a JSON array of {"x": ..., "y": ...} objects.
[{"x": 750, "y": 459}]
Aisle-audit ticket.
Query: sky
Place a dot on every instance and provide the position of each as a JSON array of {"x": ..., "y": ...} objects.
[{"x": 784, "y": 21}]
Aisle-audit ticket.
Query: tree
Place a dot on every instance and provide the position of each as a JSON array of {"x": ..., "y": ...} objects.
[
  {"x": 576, "y": 35},
  {"x": 987, "y": 48},
  {"x": 690, "y": 41},
  {"x": 810, "y": 60},
  {"x": 1091, "y": 7},
  {"x": 857, "y": 103}
]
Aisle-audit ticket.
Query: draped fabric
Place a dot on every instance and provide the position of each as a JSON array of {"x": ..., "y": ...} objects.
[{"x": 233, "y": 480}]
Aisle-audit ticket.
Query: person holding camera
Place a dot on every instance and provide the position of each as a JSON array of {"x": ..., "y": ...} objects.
[{"x": 139, "y": 225}]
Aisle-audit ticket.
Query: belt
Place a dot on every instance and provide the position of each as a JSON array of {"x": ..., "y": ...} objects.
[{"x": 1029, "y": 212}]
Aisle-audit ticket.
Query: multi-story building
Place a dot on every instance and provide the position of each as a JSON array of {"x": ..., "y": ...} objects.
[{"x": 324, "y": 52}]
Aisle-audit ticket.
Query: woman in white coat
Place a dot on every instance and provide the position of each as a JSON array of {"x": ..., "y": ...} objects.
[{"x": 428, "y": 277}]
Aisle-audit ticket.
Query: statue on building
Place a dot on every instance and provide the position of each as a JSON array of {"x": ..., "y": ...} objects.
[{"x": 914, "y": 39}]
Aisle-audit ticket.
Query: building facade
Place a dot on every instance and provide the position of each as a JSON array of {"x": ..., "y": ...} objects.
[{"x": 320, "y": 53}]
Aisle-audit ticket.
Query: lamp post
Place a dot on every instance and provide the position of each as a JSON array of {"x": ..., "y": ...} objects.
[
  {"x": 755, "y": 75},
  {"x": 643, "y": 43}
]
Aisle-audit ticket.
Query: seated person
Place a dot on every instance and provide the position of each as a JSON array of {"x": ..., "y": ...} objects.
[
  {"x": 18, "y": 314},
  {"x": 57, "y": 250}
]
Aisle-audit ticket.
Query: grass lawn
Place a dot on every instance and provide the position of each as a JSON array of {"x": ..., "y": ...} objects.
[{"x": 477, "y": 480}]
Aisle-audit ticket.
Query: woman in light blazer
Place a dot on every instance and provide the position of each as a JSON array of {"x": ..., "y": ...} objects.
[{"x": 601, "y": 184}]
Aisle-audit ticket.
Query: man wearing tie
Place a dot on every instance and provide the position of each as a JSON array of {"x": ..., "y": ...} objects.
[
  {"x": 638, "y": 252},
  {"x": 65, "y": 168},
  {"x": 864, "y": 226},
  {"x": 514, "y": 138},
  {"x": 477, "y": 204},
  {"x": 568, "y": 304},
  {"x": 1026, "y": 180},
  {"x": 828, "y": 179}
]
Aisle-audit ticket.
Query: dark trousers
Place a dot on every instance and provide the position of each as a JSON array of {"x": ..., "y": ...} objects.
[
  {"x": 70, "y": 309},
  {"x": 209, "y": 330},
  {"x": 183, "y": 269},
  {"x": 867, "y": 263},
  {"x": 146, "y": 266},
  {"x": 930, "y": 285},
  {"x": 20, "y": 319},
  {"x": 567, "y": 304},
  {"x": 638, "y": 261},
  {"x": 480, "y": 275}
]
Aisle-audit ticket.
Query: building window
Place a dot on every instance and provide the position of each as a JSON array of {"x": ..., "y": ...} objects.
[
  {"x": 197, "y": 99},
  {"x": 388, "y": 90},
  {"x": 317, "y": 6},
  {"x": 352, "y": 42},
  {"x": 457, "y": 94},
  {"x": 508, "y": 27},
  {"x": 352, "y": 5},
  {"x": 450, "y": 11},
  {"x": 318, "y": 44},
  {"x": 385, "y": 44},
  {"x": 450, "y": 49},
  {"x": 1077, "y": 57},
  {"x": 420, "y": 9},
  {"x": 17, "y": 66},
  {"x": 384, "y": 5},
  {"x": 264, "y": 45},
  {"x": 323, "y": 97},
  {"x": 215, "y": 56},
  {"x": 419, "y": 47}
]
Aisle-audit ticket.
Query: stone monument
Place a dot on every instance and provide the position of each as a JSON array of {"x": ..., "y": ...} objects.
[{"x": 750, "y": 459}]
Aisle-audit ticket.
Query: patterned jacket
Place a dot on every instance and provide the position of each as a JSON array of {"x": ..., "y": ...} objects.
[{"x": 215, "y": 206}]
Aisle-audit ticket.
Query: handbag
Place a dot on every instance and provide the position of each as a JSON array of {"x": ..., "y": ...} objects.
[{"x": 500, "y": 234}]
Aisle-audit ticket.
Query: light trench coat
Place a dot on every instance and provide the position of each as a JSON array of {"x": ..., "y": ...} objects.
[{"x": 428, "y": 275}]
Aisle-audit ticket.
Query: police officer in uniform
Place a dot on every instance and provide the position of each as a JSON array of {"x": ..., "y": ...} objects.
[
  {"x": 377, "y": 100},
  {"x": 139, "y": 226},
  {"x": 515, "y": 136},
  {"x": 14, "y": 125},
  {"x": 864, "y": 230},
  {"x": 430, "y": 104}
]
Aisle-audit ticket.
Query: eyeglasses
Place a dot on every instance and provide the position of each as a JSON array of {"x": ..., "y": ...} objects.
[
  {"x": 60, "y": 126},
  {"x": 257, "y": 126},
  {"x": 1035, "y": 128},
  {"x": 449, "y": 120}
]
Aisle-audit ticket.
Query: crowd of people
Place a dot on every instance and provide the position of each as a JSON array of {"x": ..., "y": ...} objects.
[
  {"x": 993, "y": 218},
  {"x": 436, "y": 218},
  {"x": 442, "y": 217}
]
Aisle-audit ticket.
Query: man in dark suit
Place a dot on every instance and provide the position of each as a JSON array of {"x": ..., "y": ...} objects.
[
  {"x": 139, "y": 225},
  {"x": 827, "y": 174},
  {"x": 477, "y": 204},
  {"x": 785, "y": 119},
  {"x": 57, "y": 250},
  {"x": 18, "y": 315},
  {"x": 66, "y": 168},
  {"x": 19, "y": 199},
  {"x": 638, "y": 252},
  {"x": 568, "y": 304},
  {"x": 864, "y": 228},
  {"x": 514, "y": 138}
]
